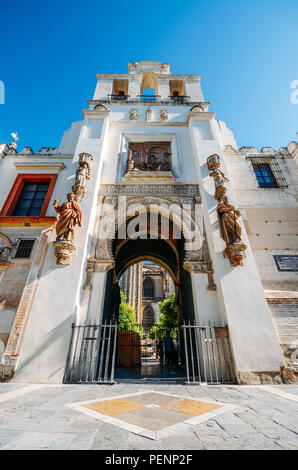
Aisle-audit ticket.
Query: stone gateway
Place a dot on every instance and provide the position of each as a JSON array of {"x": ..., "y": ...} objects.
[{"x": 146, "y": 181}]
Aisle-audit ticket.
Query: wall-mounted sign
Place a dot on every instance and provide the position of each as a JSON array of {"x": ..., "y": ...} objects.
[{"x": 286, "y": 263}]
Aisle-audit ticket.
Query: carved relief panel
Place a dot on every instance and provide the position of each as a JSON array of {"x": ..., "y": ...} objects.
[{"x": 149, "y": 156}]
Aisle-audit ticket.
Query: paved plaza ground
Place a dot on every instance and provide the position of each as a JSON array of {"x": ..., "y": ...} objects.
[{"x": 148, "y": 416}]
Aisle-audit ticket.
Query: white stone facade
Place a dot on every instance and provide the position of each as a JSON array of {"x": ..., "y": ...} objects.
[{"x": 36, "y": 331}]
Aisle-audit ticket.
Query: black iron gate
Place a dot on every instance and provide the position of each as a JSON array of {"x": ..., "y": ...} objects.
[
  {"x": 203, "y": 353},
  {"x": 207, "y": 354},
  {"x": 92, "y": 354}
]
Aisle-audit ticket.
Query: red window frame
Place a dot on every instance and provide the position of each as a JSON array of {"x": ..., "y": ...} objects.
[{"x": 15, "y": 192}]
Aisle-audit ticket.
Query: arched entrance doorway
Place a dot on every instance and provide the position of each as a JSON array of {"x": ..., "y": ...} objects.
[
  {"x": 133, "y": 348},
  {"x": 204, "y": 353}
]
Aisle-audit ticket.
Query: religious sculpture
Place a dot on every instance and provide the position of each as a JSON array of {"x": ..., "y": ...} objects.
[
  {"x": 213, "y": 162},
  {"x": 230, "y": 228},
  {"x": 149, "y": 156},
  {"x": 70, "y": 215},
  {"x": 133, "y": 114},
  {"x": 164, "y": 115},
  {"x": 82, "y": 174},
  {"x": 228, "y": 215},
  {"x": 130, "y": 162}
]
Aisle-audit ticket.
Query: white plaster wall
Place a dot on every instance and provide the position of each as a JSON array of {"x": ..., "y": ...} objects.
[
  {"x": 240, "y": 292},
  {"x": 6, "y": 320},
  {"x": 246, "y": 186},
  {"x": 134, "y": 86},
  {"x": 192, "y": 88},
  {"x": 271, "y": 277},
  {"x": 205, "y": 301},
  {"x": 103, "y": 88},
  {"x": 70, "y": 139},
  {"x": 117, "y": 153},
  {"x": 46, "y": 342}
]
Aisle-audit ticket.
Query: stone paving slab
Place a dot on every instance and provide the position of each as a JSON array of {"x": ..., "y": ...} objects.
[{"x": 39, "y": 417}]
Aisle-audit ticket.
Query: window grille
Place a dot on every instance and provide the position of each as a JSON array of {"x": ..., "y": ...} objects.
[
  {"x": 148, "y": 287},
  {"x": 268, "y": 172},
  {"x": 24, "y": 248}
]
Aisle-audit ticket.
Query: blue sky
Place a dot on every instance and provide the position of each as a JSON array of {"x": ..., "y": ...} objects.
[{"x": 246, "y": 52}]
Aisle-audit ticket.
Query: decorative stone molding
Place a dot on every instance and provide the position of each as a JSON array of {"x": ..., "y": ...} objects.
[
  {"x": 227, "y": 215},
  {"x": 201, "y": 267},
  {"x": 151, "y": 198},
  {"x": 133, "y": 114},
  {"x": 178, "y": 190},
  {"x": 48, "y": 166},
  {"x": 149, "y": 176},
  {"x": 100, "y": 107},
  {"x": 284, "y": 375},
  {"x": 96, "y": 266},
  {"x": 82, "y": 174},
  {"x": 63, "y": 252},
  {"x": 27, "y": 151}
]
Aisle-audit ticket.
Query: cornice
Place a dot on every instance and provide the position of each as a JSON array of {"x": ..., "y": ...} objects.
[
  {"x": 10, "y": 221},
  {"x": 138, "y": 102},
  {"x": 94, "y": 114},
  {"x": 170, "y": 76},
  {"x": 49, "y": 166}
]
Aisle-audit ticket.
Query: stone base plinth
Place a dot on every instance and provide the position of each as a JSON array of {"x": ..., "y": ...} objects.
[
  {"x": 268, "y": 377},
  {"x": 63, "y": 252},
  {"x": 236, "y": 252}
]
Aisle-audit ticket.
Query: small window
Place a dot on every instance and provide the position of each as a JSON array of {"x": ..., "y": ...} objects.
[
  {"x": 148, "y": 319},
  {"x": 29, "y": 195},
  {"x": 148, "y": 287},
  {"x": 268, "y": 173},
  {"x": 265, "y": 176},
  {"x": 31, "y": 199},
  {"x": 24, "y": 248}
]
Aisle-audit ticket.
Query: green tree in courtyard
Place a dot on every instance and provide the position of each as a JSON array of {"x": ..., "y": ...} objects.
[
  {"x": 127, "y": 317},
  {"x": 168, "y": 319}
]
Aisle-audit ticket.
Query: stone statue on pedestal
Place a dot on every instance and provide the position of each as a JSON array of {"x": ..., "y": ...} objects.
[
  {"x": 228, "y": 215},
  {"x": 70, "y": 215}
]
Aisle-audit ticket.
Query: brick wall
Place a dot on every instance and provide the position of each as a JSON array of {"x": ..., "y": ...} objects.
[
  {"x": 14, "y": 278},
  {"x": 285, "y": 319}
]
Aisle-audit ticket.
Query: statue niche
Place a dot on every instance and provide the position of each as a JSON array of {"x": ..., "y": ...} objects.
[{"x": 149, "y": 157}]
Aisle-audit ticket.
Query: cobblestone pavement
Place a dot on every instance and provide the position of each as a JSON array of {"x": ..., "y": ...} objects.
[{"x": 37, "y": 417}]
